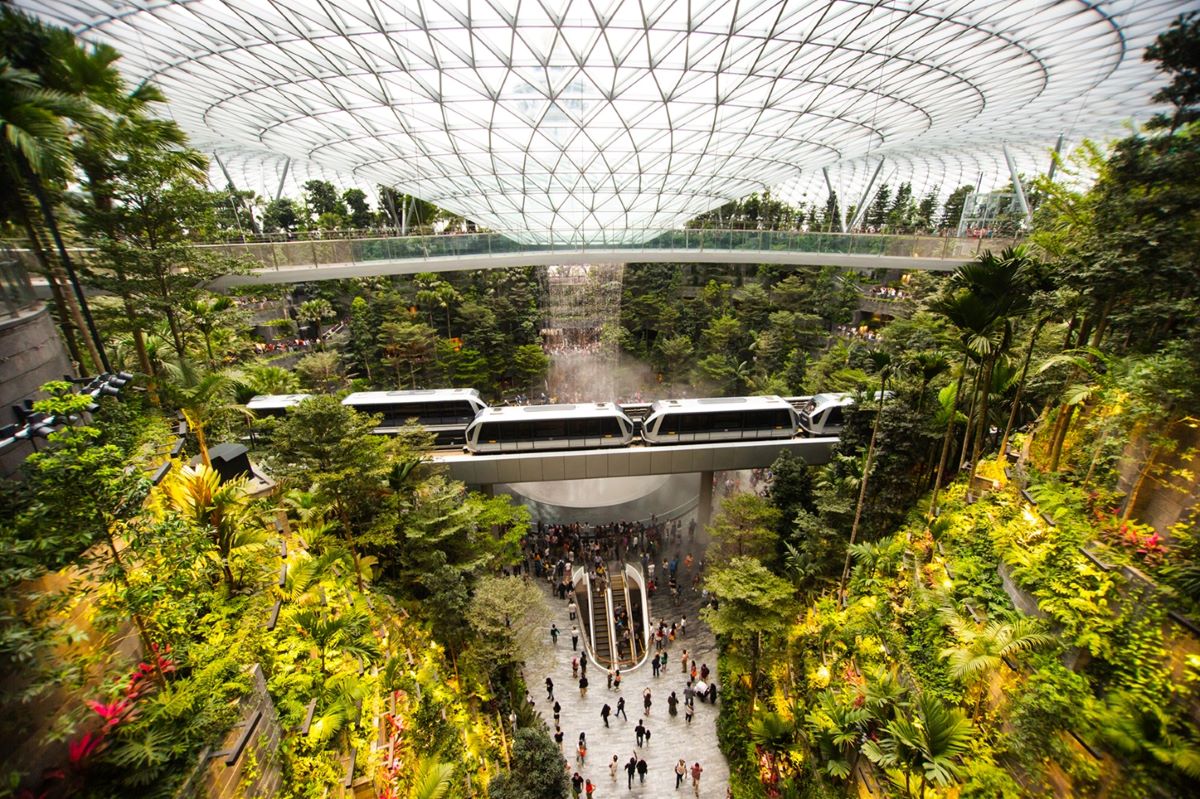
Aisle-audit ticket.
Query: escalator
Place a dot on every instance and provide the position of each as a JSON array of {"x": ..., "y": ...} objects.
[
  {"x": 602, "y": 649},
  {"x": 624, "y": 655}
]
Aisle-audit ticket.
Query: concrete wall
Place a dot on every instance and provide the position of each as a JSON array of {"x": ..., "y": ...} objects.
[
  {"x": 1164, "y": 499},
  {"x": 31, "y": 354},
  {"x": 256, "y": 772}
]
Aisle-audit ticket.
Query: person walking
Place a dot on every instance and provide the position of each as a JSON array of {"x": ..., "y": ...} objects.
[
  {"x": 583, "y": 663},
  {"x": 654, "y": 665},
  {"x": 558, "y": 737},
  {"x": 617, "y": 680},
  {"x": 581, "y": 752},
  {"x": 683, "y": 627},
  {"x": 583, "y": 684},
  {"x": 549, "y": 689},
  {"x": 621, "y": 708},
  {"x": 680, "y": 772},
  {"x": 640, "y": 732},
  {"x": 696, "y": 772},
  {"x": 574, "y": 638},
  {"x": 683, "y": 661},
  {"x": 662, "y": 661},
  {"x": 571, "y": 608},
  {"x": 688, "y": 713},
  {"x": 613, "y": 767},
  {"x": 605, "y": 712},
  {"x": 576, "y": 785},
  {"x": 588, "y": 789},
  {"x": 646, "y": 702},
  {"x": 575, "y": 668},
  {"x": 642, "y": 768},
  {"x": 631, "y": 769},
  {"x": 557, "y": 712},
  {"x": 554, "y": 634},
  {"x": 673, "y": 704},
  {"x": 610, "y": 678}
]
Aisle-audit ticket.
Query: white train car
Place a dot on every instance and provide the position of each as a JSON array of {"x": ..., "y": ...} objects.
[
  {"x": 276, "y": 405},
  {"x": 825, "y": 414},
  {"x": 694, "y": 421},
  {"x": 445, "y": 412},
  {"x": 534, "y": 428}
]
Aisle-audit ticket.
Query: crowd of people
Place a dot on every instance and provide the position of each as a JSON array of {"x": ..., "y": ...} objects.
[
  {"x": 697, "y": 683},
  {"x": 886, "y": 293},
  {"x": 286, "y": 345},
  {"x": 860, "y": 332},
  {"x": 553, "y": 550}
]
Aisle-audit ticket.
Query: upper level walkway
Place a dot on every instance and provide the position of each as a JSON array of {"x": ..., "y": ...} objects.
[{"x": 302, "y": 261}]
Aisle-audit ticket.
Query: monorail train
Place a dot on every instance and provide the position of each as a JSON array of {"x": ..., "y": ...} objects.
[
  {"x": 274, "y": 405},
  {"x": 445, "y": 412},
  {"x": 692, "y": 421},
  {"x": 533, "y": 428},
  {"x": 825, "y": 414}
]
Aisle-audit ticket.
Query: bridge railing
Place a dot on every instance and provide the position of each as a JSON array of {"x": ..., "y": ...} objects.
[
  {"x": 290, "y": 254},
  {"x": 281, "y": 255}
]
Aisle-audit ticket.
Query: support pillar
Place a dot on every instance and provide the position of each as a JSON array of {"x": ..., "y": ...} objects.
[{"x": 704, "y": 507}]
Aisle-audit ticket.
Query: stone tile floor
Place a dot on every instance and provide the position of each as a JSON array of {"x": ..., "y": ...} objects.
[{"x": 671, "y": 737}]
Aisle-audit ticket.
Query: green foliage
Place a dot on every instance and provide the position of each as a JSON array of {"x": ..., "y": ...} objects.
[{"x": 536, "y": 771}]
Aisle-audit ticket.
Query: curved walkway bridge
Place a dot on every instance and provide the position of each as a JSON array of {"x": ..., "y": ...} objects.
[{"x": 334, "y": 259}]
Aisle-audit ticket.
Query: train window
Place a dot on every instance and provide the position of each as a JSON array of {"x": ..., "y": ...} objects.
[
  {"x": 669, "y": 425},
  {"x": 610, "y": 427},
  {"x": 544, "y": 429},
  {"x": 487, "y": 433},
  {"x": 834, "y": 416},
  {"x": 729, "y": 420}
]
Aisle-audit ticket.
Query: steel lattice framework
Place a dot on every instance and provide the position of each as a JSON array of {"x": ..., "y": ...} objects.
[{"x": 562, "y": 117}]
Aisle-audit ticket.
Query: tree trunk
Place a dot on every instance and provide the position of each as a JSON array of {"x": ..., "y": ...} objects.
[
  {"x": 1065, "y": 412},
  {"x": 84, "y": 321},
  {"x": 1096, "y": 453},
  {"x": 969, "y": 427},
  {"x": 66, "y": 313},
  {"x": 862, "y": 495},
  {"x": 981, "y": 432},
  {"x": 941, "y": 468},
  {"x": 349, "y": 533},
  {"x": 1016, "y": 404},
  {"x": 1131, "y": 500}
]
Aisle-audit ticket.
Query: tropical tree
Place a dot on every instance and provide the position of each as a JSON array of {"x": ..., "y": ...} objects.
[
  {"x": 927, "y": 742},
  {"x": 837, "y": 729},
  {"x": 333, "y": 635},
  {"x": 35, "y": 147},
  {"x": 201, "y": 396},
  {"x": 313, "y": 312},
  {"x": 883, "y": 366},
  {"x": 221, "y": 510},
  {"x": 752, "y": 601},
  {"x": 981, "y": 650},
  {"x": 206, "y": 314}
]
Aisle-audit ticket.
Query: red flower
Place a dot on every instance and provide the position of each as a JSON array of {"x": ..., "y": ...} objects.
[
  {"x": 82, "y": 748},
  {"x": 113, "y": 713}
]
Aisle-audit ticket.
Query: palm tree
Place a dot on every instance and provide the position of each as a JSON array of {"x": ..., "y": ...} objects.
[
  {"x": 219, "y": 508},
  {"x": 928, "y": 743},
  {"x": 431, "y": 779},
  {"x": 265, "y": 379},
  {"x": 347, "y": 634},
  {"x": 206, "y": 316},
  {"x": 982, "y": 650},
  {"x": 775, "y": 735},
  {"x": 314, "y": 311},
  {"x": 34, "y": 145},
  {"x": 837, "y": 729},
  {"x": 928, "y": 365},
  {"x": 883, "y": 365},
  {"x": 201, "y": 396}
]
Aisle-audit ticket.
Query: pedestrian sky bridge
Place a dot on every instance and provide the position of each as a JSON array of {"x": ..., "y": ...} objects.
[{"x": 331, "y": 259}]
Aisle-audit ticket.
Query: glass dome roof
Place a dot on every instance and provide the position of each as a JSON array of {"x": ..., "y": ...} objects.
[{"x": 560, "y": 118}]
